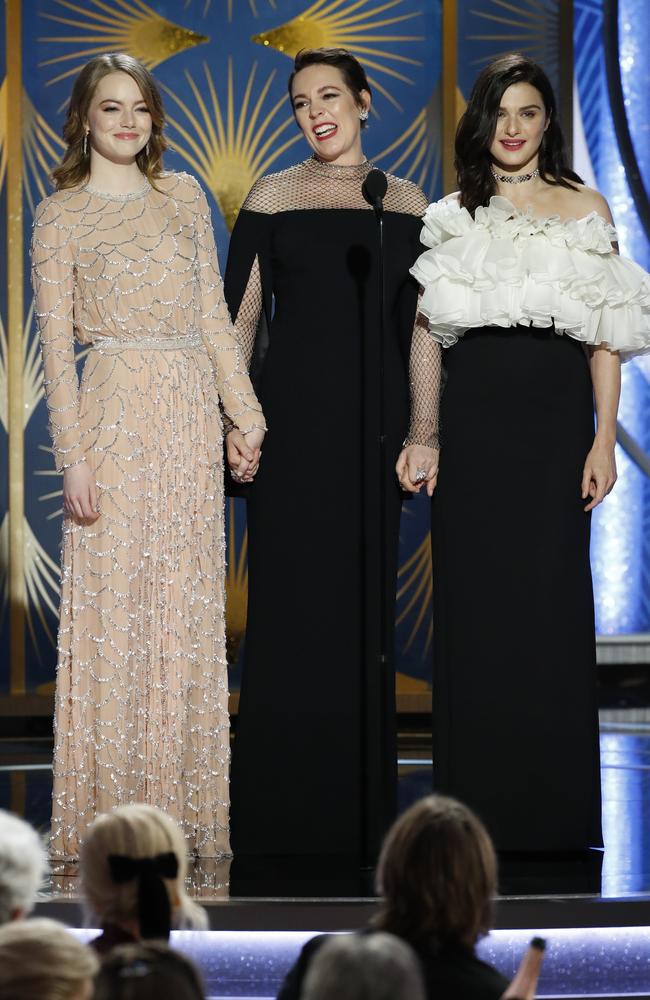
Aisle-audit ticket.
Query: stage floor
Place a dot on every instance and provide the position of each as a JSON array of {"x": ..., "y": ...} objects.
[{"x": 593, "y": 908}]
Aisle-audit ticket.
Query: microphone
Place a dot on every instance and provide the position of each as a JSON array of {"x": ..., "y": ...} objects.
[{"x": 373, "y": 190}]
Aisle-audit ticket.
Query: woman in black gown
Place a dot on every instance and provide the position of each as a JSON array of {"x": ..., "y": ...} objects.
[
  {"x": 523, "y": 285},
  {"x": 303, "y": 257}
]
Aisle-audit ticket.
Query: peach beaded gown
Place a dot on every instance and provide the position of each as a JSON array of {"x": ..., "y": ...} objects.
[{"x": 141, "y": 693}]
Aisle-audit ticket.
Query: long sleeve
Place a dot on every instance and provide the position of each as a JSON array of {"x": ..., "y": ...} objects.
[
  {"x": 53, "y": 284},
  {"x": 235, "y": 389},
  {"x": 425, "y": 367}
]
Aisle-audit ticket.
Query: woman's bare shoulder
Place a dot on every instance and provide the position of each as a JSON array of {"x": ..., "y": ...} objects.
[{"x": 581, "y": 200}]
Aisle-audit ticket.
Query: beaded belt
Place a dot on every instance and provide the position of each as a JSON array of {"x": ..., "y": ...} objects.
[{"x": 110, "y": 345}]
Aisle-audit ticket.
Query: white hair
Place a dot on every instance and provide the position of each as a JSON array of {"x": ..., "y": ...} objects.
[
  {"x": 374, "y": 966},
  {"x": 41, "y": 960},
  {"x": 23, "y": 864}
]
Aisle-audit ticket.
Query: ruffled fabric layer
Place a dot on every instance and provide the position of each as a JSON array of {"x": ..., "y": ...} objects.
[{"x": 505, "y": 267}]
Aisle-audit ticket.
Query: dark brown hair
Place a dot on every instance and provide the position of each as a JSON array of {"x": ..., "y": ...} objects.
[
  {"x": 349, "y": 67},
  {"x": 74, "y": 169},
  {"x": 147, "y": 972},
  {"x": 477, "y": 126},
  {"x": 437, "y": 875}
]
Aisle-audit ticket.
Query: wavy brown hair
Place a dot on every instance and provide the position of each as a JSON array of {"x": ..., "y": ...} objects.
[
  {"x": 74, "y": 169},
  {"x": 477, "y": 127},
  {"x": 437, "y": 876}
]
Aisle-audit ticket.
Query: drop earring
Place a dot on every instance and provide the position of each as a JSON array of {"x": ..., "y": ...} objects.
[
  {"x": 85, "y": 144},
  {"x": 146, "y": 148},
  {"x": 363, "y": 115}
]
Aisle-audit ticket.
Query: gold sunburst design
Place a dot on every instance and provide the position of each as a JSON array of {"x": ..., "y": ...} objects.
[
  {"x": 230, "y": 4},
  {"x": 230, "y": 149},
  {"x": 119, "y": 26},
  {"x": 531, "y": 27},
  {"x": 56, "y": 494},
  {"x": 236, "y": 587},
  {"x": 342, "y": 24},
  {"x": 42, "y": 150},
  {"x": 42, "y": 585},
  {"x": 415, "y": 592},
  {"x": 416, "y": 153}
]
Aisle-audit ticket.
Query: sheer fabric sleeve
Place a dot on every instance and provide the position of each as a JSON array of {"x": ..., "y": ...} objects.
[
  {"x": 235, "y": 389},
  {"x": 246, "y": 282},
  {"x": 425, "y": 370},
  {"x": 53, "y": 278}
]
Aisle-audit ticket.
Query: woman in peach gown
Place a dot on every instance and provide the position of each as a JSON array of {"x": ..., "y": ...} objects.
[{"x": 123, "y": 258}]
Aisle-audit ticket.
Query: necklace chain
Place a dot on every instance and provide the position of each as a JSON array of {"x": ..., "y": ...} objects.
[{"x": 515, "y": 178}]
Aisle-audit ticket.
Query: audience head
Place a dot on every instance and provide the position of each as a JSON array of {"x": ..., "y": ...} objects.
[
  {"x": 132, "y": 866},
  {"x": 364, "y": 967},
  {"x": 22, "y": 866},
  {"x": 149, "y": 971},
  {"x": 437, "y": 875},
  {"x": 41, "y": 960}
]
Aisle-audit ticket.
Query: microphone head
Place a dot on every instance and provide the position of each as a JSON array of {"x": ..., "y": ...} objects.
[{"x": 375, "y": 186}]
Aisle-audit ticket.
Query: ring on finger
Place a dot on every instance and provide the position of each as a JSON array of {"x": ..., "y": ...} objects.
[{"x": 420, "y": 475}]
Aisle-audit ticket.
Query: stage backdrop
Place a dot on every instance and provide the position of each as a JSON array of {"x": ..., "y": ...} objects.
[{"x": 222, "y": 66}]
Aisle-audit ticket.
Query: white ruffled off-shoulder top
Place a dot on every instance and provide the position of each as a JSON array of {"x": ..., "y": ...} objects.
[{"x": 505, "y": 267}]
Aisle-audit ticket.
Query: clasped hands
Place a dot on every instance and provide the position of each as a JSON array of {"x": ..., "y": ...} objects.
[
  {"x": 417, "y": 466},
  {"x": 243, "y": 452}
]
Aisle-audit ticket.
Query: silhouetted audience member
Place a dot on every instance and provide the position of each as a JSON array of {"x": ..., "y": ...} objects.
[
  {"x": 437, "y": 876},
  {"x": 41, "y": 960},
  {"x": 132, "y": 866},
  {"x": 364, "y": 967},
  {"x": 23, "y": 864},
  {"x": 150, "y": 971}
]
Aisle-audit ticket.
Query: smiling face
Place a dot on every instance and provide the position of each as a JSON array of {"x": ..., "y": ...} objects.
[
  {"x": 328, "y": 113},
  {"x": 521, "y": 123},
  {"x": 118, "y": 118}
]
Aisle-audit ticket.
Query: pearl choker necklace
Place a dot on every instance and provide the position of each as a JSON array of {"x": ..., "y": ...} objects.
[{"x": 515, "y": 178}]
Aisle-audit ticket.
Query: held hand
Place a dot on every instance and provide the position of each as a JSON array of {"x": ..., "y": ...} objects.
[
  {"x": 80, "y": 493},
  {"x": 599, "y": 473},
  {"x": 239, "y": 454},
  {"x": 243, "y": 453},
  {"x": 416, "y": 467},
  {"x": 254, "y": 440}
]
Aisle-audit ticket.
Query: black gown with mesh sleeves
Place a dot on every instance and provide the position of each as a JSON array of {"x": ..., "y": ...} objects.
[{"x": 304, "y": 258}]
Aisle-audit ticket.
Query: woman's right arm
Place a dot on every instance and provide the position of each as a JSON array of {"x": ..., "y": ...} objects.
[{"x": 53, "y": 284}]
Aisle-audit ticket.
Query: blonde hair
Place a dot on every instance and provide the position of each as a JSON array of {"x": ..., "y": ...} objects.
[
  {"x": 74, "y": 169},
  {"x": 41, "y": 960},
  {"x": 134, "y": 831},
  {"x": 437, "y": 875},
  {"x": 22, "y": 865}
]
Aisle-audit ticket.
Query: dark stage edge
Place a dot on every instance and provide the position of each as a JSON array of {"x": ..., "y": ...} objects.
[{"x": 596, "y": 947}]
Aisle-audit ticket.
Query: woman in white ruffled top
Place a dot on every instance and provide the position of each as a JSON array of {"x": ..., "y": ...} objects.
[{"x": 522, "y": 282}]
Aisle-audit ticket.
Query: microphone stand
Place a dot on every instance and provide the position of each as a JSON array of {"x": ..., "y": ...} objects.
[{"x": 379, "y": 785}]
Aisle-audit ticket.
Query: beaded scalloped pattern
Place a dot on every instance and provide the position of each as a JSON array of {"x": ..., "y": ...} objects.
[{"x": 141, "y": 695}]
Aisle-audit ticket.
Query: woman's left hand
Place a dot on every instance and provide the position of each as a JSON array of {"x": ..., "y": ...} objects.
[
  {"x": 417, "y": 466},
  {"x": 599, "y": 473}
]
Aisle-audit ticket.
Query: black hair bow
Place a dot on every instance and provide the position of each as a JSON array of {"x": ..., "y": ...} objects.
[{"x": 154, "y": 908}]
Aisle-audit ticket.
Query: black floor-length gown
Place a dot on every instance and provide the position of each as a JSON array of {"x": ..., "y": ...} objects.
[
  {"x": 304, "y": 255},
  {"x": 515, "y": 724}
]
